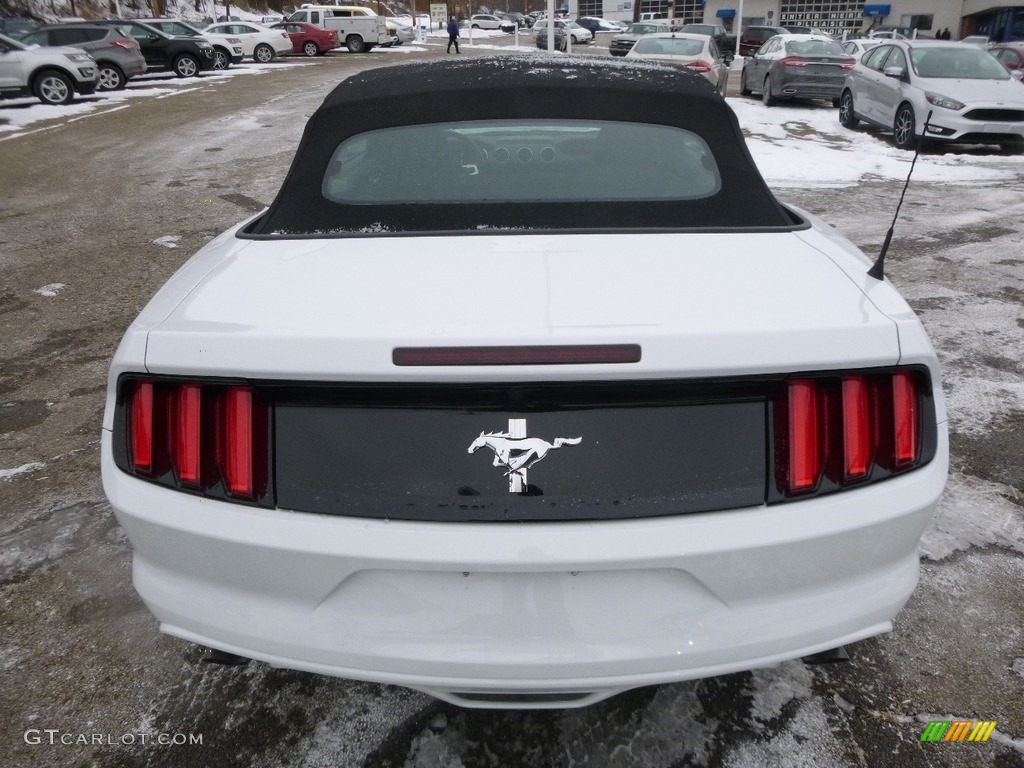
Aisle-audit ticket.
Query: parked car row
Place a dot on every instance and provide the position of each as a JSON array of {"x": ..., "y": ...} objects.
[
  {"x": 920, "y": 90},
  {"x": 118, "y": 57},
  {"x": 118, "y": 50}
]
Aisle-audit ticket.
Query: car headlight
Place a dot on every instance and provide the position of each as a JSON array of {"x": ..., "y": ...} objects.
[
  {"x": 79, "y": 57},
  {"x": 945, "y": 102}
]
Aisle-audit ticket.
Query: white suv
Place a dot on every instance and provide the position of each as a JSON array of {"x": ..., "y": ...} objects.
[{"x": 51, "y": 74}]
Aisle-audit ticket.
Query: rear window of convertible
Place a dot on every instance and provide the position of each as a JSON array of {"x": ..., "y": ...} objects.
[{"x": 515, "y": 161}]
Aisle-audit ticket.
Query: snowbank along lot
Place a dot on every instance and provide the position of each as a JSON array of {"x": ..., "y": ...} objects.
[{"x": 82, "y": 656}]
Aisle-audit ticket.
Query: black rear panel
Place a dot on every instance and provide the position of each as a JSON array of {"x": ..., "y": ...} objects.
[{"x": 404, "y": 452}]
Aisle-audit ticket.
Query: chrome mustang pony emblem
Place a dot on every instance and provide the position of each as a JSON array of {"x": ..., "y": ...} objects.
[{"x": 516, "y": 452}]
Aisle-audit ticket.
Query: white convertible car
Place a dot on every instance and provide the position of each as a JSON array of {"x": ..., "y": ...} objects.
[{"x": 525, "y": 403}]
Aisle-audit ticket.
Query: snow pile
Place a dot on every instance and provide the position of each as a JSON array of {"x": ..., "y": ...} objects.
[{"x": 833, "y": 156}]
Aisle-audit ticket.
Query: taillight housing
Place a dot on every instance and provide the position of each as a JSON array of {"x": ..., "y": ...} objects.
[
  {"x": 210, "y": 438},
  {"x": 699, "y": 66},
  {"x": 794, "y": 61},
  {"x": 841, "y": 430}
]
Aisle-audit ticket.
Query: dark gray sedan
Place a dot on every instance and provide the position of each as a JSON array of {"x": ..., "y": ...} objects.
[{"x": 797, "y": 67}]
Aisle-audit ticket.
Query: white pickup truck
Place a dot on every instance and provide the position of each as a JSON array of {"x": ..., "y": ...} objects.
[{"x": 360, "y": 29}]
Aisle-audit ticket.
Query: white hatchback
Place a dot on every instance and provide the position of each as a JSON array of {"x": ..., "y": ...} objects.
[{"x": 962, "y": 92}]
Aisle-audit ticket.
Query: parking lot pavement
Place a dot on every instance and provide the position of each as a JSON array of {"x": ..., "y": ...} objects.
[{"x": 100, "y": 211}]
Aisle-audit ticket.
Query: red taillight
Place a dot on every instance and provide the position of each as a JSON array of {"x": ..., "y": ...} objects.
[
  {"x": 905, "y": 420},
  {"x": 858, "y": 446},
  {"x": 850, "y": 63},
  {"x": 794, "y": 61},
  {"x": 187, "y": 450},
  {"x": 699, "y": 66},
  {"x": 805, "y": 458},
  {"x": 209, "y": 438},
  {"x": 141, "y": 427},
  {"x": 849, "y": 429},
  {"x": 126, "y": 44},
  {"x": 237, "y": 449}
]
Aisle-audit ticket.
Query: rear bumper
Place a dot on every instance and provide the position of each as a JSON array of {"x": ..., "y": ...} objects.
[
  {"x": 794, "y": 87},
  {"x": 551, "y": 614}
]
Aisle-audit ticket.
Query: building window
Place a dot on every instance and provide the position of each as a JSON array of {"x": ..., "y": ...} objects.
[{"x": 920, "y": 21}]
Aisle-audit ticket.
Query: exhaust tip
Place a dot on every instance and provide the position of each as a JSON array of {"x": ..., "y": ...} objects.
[
  {"x": 831, "y": 656},
  {"x": 214, "y": 656}
]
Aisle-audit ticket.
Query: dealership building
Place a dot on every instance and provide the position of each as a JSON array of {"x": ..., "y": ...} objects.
[{"x": 960, "y": 17}]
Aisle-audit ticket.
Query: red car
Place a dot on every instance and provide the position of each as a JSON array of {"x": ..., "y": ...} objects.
[
  {"x": 1010, "y": 55},
  {"x": 309, "y": 38}
]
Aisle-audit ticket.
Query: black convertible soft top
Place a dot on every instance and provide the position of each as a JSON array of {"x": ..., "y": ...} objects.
[{"x": 524, "y": 88}]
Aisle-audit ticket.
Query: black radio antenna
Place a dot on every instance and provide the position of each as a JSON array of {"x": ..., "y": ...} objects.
[{"x": 877, "y": 270}]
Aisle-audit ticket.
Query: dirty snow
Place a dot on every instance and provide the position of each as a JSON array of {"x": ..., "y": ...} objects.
[
  {"x": 32, "y": 466},
  {"x": 17, "y": 115},
  {"x": 973, "y": 513},
  {"x": 168, "y": 241},
  {"x": 50, "y": 289},
  {"x": 832, "y": 156}
]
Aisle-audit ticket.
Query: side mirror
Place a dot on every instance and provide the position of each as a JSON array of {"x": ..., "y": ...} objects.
[
  {"x": 894, "y": 72},
  {"x": 728, "y": 58}
]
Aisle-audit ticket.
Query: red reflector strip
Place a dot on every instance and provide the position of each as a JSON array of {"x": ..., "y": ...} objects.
[
  {"x": 187, "y": 452},
  {"x": 857, "y": 444},
  {"x": 140, "y": 427},
  {"x": 905, "y": 419},
  {"x": 537, "y": 355},
  {"x": 805, "y": 462},
  {"x": 238, "y": 474}
]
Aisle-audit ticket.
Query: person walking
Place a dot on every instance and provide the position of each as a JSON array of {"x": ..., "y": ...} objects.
[{"x": 453, "y": 35}]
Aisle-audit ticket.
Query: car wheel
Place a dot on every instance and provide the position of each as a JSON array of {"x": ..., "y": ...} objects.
[
  {"x": 355, "y": 44},
  {"x": 766, "y": 93},
  {"x": 476, "y": 26},
  {"x": 110, "y": 77},
  {"x": 221, "y": 59},
  {"x": 264, "y": 54},
  {"x": 186, "y": 66},
  {"x": 847, "y": 118},
  {"x": 53, "y": 87},
  {"x": 744, "y": 88},
  {"x": 311, "y": 48},
  {"x": 903, "y": 128}
]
